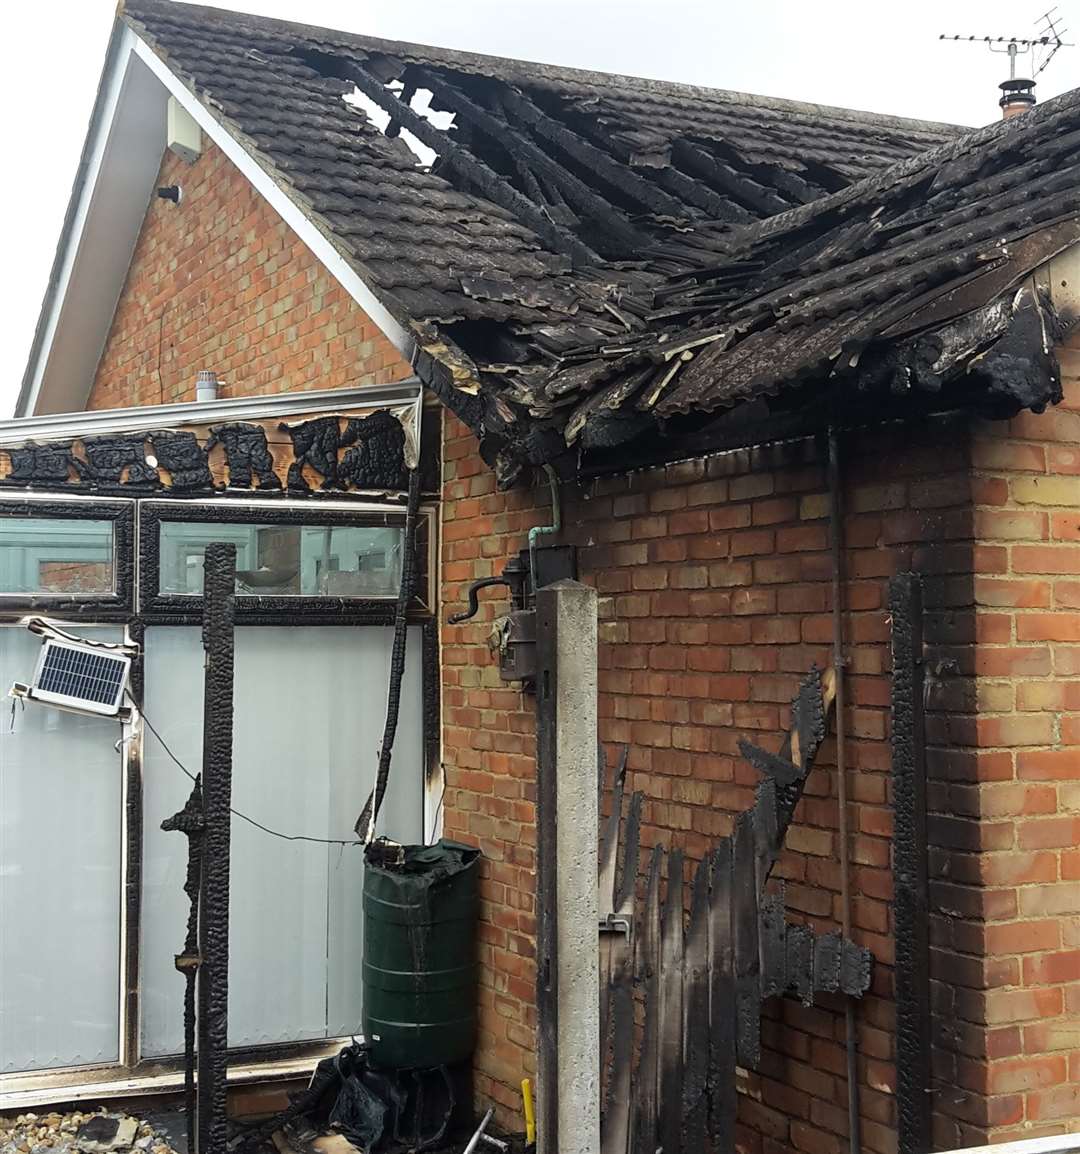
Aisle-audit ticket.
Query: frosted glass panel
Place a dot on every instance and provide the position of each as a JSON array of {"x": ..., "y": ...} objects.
[
  {"x": 60, "y": 881},
  {"x": 310, "y": 705}
]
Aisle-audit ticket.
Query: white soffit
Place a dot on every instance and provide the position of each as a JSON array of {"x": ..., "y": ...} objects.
[
  {"x": 109, "y": 203},
  {"x": 116, "y": 179}
]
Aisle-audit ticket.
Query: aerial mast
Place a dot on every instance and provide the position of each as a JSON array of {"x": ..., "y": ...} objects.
[{"x": 1018, "y": 92}]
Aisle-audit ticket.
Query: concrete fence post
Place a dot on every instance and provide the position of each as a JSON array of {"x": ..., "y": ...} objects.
[{"x": 568, "y": 1073}]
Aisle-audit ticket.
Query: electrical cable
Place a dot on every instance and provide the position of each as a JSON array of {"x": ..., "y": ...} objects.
[
  {"x": 369, "y": 815},
  {"x": 235, "y": 812}
]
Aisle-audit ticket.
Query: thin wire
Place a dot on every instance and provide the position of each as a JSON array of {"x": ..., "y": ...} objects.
[
  {"x": 438, "y": 814},
  {"x": 235, "y": 812}
]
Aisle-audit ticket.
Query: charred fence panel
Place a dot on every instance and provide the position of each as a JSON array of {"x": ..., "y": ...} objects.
[{"x": 701, "y": 981}]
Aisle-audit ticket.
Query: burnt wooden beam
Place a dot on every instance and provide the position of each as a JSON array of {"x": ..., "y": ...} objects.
[
  {"x": 742, "y": 188},
  {"x": 911, "y": 905},
  {"x": 574, "y": 190},
  {"x": 700, "y": 195},
  {"x": 521, "y": 110},
  {"x": 473, "y": 171}
]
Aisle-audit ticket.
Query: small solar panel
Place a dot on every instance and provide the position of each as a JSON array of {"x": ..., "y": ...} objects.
[{"x": 80, "y": 677}]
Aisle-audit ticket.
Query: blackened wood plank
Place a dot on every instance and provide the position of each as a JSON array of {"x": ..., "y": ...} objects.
[
  {"x": 773, "y": 942},
  {"x": 911, "y": 900},
  {"x": 608, "y": 869},
  {"x": 747, "y": 961},
  {"x": 800, "y": 962},
  {"x": 723, "y": 1099},
  {"x": 647, "y": 947},
  {"x": 671, "y": 1011},
  {"x": 827, "y": 949},
  {"x": 696, "y": 997},
  {"x": 615, "y": 1131}
]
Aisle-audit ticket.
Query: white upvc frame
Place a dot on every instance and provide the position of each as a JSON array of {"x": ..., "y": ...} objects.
[
  {"x": 121, "y": 156},
  {"x": 291, "y": 1062},
  {"x": 1059, "y": 1144}
]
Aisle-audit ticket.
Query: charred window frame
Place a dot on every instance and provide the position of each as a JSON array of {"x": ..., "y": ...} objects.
[
  {"x": 282, "y": 608},
  {"x": 116, "y": 605}
]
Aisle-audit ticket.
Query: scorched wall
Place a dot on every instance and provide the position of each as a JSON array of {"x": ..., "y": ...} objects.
[{"x": 714, "y": 580}]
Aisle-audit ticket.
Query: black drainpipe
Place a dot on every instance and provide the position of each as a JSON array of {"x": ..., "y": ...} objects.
[{"x": 836, "y": 534}]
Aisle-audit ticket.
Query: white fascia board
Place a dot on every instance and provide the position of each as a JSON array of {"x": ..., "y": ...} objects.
[
  {"x": 103, "y": 118},
  {"x": 1062, "y": 1144},
  {"x": 289, "y": 211},
  {"x": 266, "y": 406}
]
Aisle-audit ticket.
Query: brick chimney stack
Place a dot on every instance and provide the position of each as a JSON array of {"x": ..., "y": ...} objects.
[{"x": 1017, "y": 96}]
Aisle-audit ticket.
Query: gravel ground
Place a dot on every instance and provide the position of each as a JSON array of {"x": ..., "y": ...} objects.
[{"x": 60, "y": 1134}]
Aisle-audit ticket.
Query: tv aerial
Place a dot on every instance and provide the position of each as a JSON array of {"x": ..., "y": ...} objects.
[{"x": 1018, "y": 93}]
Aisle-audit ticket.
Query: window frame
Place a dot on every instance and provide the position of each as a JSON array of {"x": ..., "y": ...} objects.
[
  {"x": 153, "y": 513},
  {"x": 136, "y": 605},
  {"x": 119, "y": 603}
]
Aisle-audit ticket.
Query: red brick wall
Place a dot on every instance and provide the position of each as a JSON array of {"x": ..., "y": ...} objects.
[
  {"x": 488, "y": 757},
  {"x": 1027, "y": 858},
  {"x": 220, "y": 282},
  {"x": 714, "y": 579}
]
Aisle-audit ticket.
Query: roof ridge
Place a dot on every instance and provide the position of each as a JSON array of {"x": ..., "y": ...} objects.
[{"x": 541, "y": 69}]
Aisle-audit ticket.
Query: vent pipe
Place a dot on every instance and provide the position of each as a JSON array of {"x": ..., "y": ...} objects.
[
  {"x": 1017, "y": 95},
  {"x": 206, "y": 385}
]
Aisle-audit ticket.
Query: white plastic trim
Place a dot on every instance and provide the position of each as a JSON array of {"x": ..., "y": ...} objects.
[
  {"x": 56, "y": 425},
  {"x": 1061, "y": 1144},
  {"x": 293, "y": 215},
  {"x": 110, "y": 100}
]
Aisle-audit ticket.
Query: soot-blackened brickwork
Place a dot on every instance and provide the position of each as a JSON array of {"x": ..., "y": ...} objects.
[{"x": 715, "y": 579}]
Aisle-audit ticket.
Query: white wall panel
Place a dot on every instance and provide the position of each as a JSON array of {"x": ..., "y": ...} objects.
[
  {"x": 310, "y": 704},
  {"x": 60, "y": 877}
]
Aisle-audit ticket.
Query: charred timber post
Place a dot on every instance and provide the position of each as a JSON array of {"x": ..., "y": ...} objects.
[
  {"x": 911, "y": 901},
  {"x": 568, "y": 971},
  {"x": 220, "y": 586},
  {"x": 191, "y": 822}
]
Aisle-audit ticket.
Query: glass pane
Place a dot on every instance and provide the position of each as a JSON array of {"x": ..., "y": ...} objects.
[
  {"x": 43, "y": 555},
  {"x": 60, "y": 881},
  {"x": 287, "y": 560},
  {"x": 310, "y": 704}
]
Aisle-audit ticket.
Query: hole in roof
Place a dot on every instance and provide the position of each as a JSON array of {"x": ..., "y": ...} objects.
[{"x": 420, "y": 104}]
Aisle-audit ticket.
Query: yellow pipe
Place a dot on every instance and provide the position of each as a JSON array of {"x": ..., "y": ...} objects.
[{"x": 530, "y": 1112}]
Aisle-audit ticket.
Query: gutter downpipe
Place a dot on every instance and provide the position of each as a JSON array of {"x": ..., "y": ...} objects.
[
  {"x": 836, "y": 533},
  {"x": 539, "y": 531}
]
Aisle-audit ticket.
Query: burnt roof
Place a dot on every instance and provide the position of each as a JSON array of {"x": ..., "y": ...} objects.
[
  {"x": 561, "y": 201},
  {"x": 593, "y": 259},
  {"x": 914, "y": 283}
]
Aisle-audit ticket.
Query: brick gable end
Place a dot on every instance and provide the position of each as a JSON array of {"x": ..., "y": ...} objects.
[{"x": 220, "y": 282}]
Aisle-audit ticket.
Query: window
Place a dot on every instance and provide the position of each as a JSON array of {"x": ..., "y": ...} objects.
[
  {"x": 53, "y": 556},
  {"x": 357, "y": 561}
]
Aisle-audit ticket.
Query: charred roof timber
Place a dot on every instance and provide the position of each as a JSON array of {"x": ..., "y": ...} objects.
[{"x": 601, "y": 271}]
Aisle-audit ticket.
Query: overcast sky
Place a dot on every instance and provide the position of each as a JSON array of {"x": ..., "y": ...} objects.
[{"x": 854, "y": 53}]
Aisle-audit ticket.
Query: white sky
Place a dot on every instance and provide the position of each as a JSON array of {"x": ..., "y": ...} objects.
[{"x": 855, "y": 53}]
